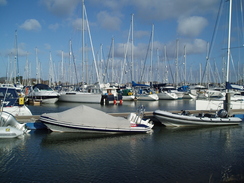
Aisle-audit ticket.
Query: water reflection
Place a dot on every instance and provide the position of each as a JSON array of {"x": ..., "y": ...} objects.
[{"x": 7, "y": 150}]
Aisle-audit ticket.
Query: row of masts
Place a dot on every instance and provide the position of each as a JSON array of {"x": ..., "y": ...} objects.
[{"x": 126, "y": 70}]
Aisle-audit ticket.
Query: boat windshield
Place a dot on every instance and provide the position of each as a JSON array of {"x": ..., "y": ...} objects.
[
  {"x": 43, "y": 87},
  {"x": 8, "y": 93}
]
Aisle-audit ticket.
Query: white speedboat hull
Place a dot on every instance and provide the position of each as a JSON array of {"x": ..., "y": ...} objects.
[{"x": 171, "y": 119}]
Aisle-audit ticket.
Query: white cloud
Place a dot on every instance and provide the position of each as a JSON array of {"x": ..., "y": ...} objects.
[
  {"x": 193, "y": 46},
  {"x": 191, "y": 26},
  {"x": 53, "y": 26},
  {"x": 156, "y": 10},
  {"x": 3, "y": 2},
  {"x": 60, "y": 7},
  {"x": 108, "y": 21},
  {"x": 77, "y": 24},
  {"x": 31, "y": 24},
  {"x": 139, "y": 34},
  {"x": 47, "y": 46}
]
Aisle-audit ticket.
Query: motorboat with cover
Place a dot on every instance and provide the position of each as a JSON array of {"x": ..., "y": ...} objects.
[
  {"x": 11, "y": 102},
  {"x": 86, "y": 119},
  {"x": 185, "y": 118},
  {"x": 10, "y": 127}
]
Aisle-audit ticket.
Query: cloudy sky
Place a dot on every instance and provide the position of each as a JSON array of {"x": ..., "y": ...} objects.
[{"x": 48, "y": 26}]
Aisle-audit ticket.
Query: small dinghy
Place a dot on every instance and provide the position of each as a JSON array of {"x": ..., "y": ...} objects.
[
  {"x": 86, "y": 119},
  {"x": 184, "y": 118},
  {"x": 10, "y": 127}
]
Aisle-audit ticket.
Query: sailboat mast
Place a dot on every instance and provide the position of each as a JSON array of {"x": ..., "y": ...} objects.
[
  {"x": 176, "y": 63},
  {"x": 132, "y": 46},
  {"x": 228, "y": 49},
  {"x": 83, "y": 42},
  {"x": 16, "y": 58},
  {"x": 151, "y": 63},
  {"x": 185, "y": 65}
]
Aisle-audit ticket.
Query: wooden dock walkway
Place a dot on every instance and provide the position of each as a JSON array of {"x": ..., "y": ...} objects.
[{"x": 147, "y": 115}]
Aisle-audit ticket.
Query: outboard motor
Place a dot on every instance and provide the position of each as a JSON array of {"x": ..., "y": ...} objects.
[{"x": 222, "y": 113}]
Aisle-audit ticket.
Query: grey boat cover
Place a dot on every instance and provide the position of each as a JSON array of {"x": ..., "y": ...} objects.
[{"x": 87, "y": 116}]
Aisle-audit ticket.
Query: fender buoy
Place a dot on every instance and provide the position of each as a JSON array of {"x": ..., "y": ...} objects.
[
  {"x": 120, "y": 101},
  {"x": 115, "y": 102},
  {"x": 26, "y": 91}
]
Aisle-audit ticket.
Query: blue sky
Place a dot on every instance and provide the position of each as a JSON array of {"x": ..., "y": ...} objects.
[{"x": 48, "y": 26}]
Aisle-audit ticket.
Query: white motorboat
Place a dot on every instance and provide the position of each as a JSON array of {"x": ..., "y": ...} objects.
[
  {"x": 89, "y": 120},
  {"x": 10, "y": 127},
  {"x": 97, "y": 93},
  {"x": 186, "y": 119},
  {"x": 12, "y": 103},
  {"x": 42, "y": 93},
  {"x": 169, "y": 92},
  {"x": 144, "y": 92}
]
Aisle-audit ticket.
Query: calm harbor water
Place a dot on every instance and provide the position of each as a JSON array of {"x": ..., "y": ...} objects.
[{"x": 214, "y": 154}]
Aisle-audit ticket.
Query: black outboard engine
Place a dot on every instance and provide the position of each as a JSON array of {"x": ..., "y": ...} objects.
[{"x": 222, "y": 113}]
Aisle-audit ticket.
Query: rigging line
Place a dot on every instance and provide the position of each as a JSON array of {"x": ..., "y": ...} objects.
[
  {"x": 232, "y": 63},
  {"x": 73, "y": 56},
  {"x": 94, "y": 58},
  {"x": 215, "y": 28},
  {"x": 242, "y": 23},
  {"x": 107, "y": 64},
  {"x": 125, "y": 55},
  {"x": 213, "y": 38},
  {"x": 144, "y": 65}
]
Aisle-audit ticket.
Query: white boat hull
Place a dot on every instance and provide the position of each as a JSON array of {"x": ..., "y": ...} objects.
[
  {"x": 167, "y": 96},
  {"x": 88, "y": 120},
  {"x": 18, "y": 110},
  {"x": 171, "y": 119},
  {"x": 84, "y": 129},
  {"x": 80, "y": 97},
  {"x": 217, "y": 104},
  {"x": 189, "y": 96},
  {"x": 128, "y": 97},
  {"x": 147, "y": 97}
]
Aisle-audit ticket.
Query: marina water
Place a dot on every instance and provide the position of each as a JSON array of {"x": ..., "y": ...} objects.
[{"x": 213, "y": 154}]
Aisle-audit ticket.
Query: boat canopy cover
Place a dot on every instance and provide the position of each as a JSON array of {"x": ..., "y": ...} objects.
[
  {"x": 87, "y": 116},
  {"x": 134, "y": 84},
  {"x": 42, "y": 87},
  {"x": 233, "y": 86}
]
